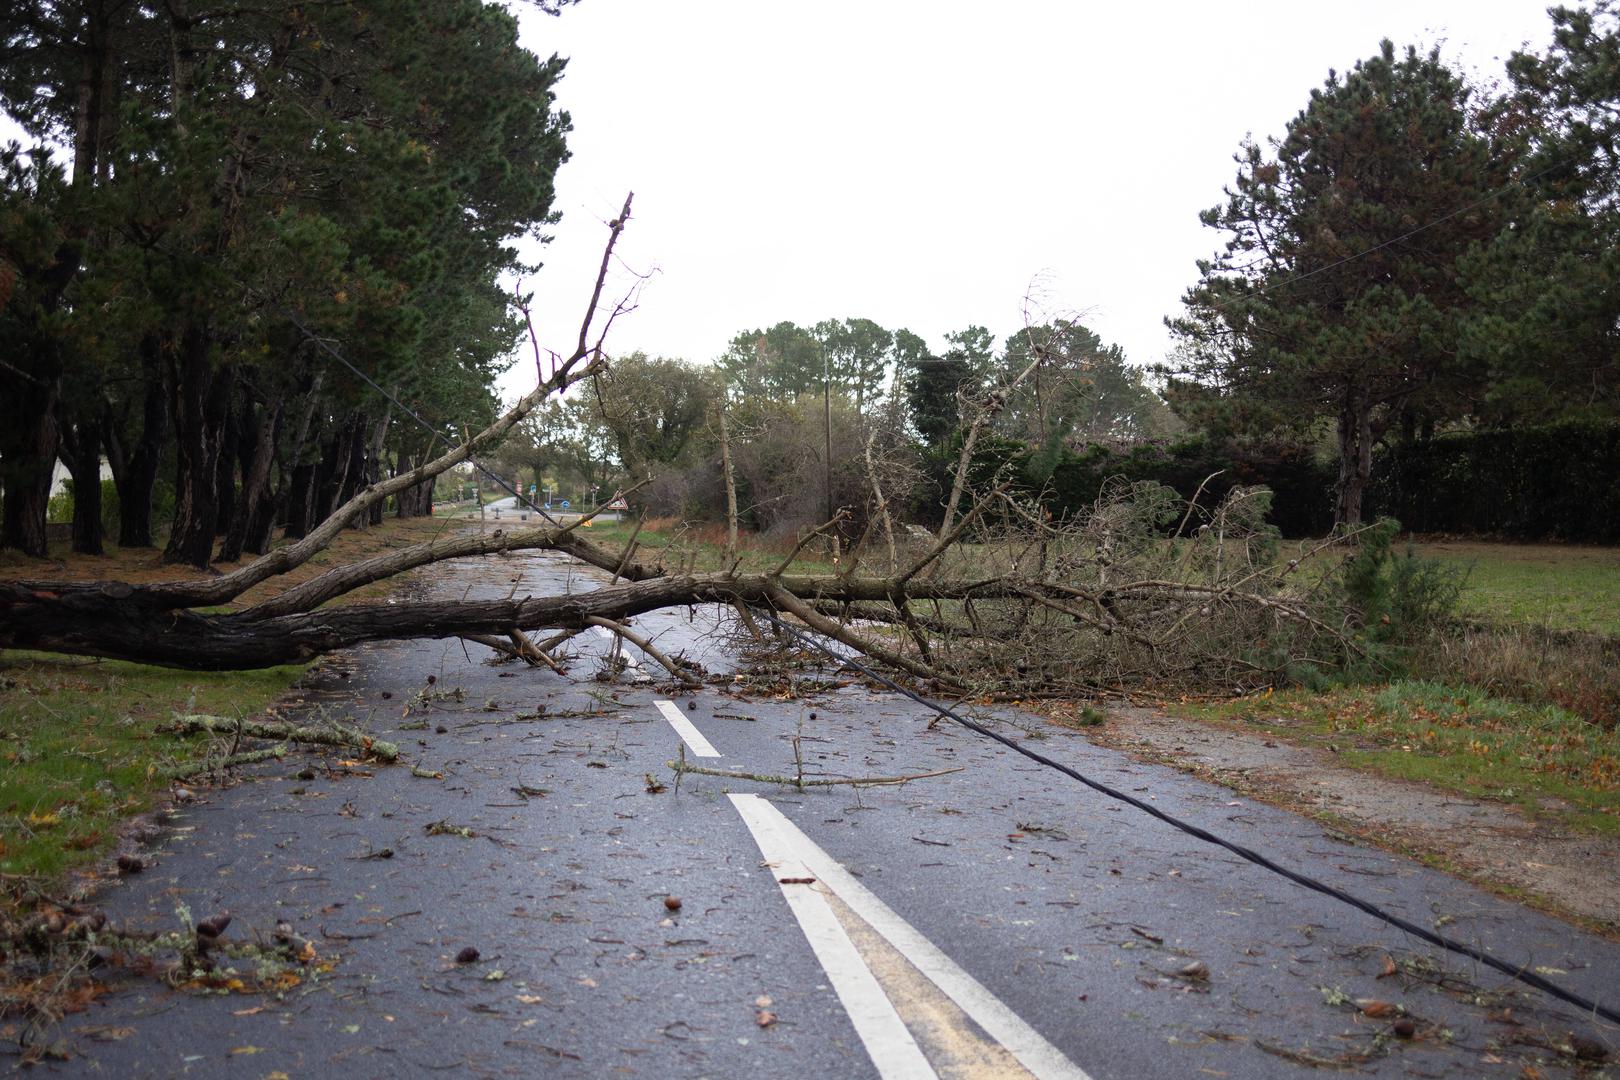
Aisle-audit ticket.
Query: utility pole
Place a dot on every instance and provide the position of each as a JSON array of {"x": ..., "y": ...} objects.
[{"x": 826, "y": 408}]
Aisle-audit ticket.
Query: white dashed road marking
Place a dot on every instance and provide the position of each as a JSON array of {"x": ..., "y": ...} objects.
[{"x": 686, "y": 729}]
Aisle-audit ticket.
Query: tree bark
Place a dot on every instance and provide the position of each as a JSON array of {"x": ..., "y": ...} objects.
[
  {"x": 300, "y": 497},
  {"x": 373, "y": 466},
  {"x": 135, "y": 470},
  {"x": 230, "y": 450},
  {"x": 200, "y": 406},
  {"x": 1355, "y": 456},
  {"x": 299, "y": 479},
  {"x": 250, "y": 528},
  {"x": 81, "y": 449},
  {"x": 29, "y": 458}
]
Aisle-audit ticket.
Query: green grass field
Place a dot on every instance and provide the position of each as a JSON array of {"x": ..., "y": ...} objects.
[{"x": 1545, "y": 585}]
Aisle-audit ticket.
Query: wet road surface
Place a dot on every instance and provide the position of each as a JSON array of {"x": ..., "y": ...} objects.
[{"x": 996, "y": 921}]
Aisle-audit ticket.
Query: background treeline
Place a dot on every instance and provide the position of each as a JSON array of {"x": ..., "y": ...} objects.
[
  {"x": 215, "y": 198},
  {"x": 1415, "y": 312},
  {"x": 1416, "y": 255},
  {"x": 210, "y": 199}
]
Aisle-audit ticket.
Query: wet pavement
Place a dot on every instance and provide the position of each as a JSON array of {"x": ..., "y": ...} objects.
[{"x": 542, "y": 827}]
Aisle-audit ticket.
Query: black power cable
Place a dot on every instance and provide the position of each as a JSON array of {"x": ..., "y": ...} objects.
[
  {"x": 1529, "y": 978},
  {"x": 438, "y": 435}
]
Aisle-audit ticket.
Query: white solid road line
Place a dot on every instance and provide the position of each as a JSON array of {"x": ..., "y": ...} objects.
[
  {"x": 686, "y": 729},
  {"x": 998, "y": 1021},
  {"x": 888, "y": 1042}
]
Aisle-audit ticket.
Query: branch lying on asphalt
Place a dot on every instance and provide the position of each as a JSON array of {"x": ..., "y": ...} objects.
[
  {"x": 216, "y": 764},
  {"x": 335, "y": 735},
  {"x": 680, "y": 768}
]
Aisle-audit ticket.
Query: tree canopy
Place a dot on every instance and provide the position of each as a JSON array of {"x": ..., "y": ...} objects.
[
  {"x": 237, "y": 183},
  {"x": 1339, "y": 293}
]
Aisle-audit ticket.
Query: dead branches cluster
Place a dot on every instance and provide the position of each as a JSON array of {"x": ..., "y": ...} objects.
[
  {"x": 1003, "y": 600},
  {"x": 1138, "y": 591}
]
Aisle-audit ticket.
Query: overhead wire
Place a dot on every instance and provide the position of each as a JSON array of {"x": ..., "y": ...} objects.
[
  {"x": 326, "y": 347},
  {"x": 1517, "y": 181},
  {"x": 1519, "y": 973}
]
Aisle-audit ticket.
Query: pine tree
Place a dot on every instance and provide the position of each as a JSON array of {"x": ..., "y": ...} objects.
[{"x": 1338, "y": 295}]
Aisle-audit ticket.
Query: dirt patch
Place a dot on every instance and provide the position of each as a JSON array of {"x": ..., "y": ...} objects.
[{"x": 1575, "y": 876}]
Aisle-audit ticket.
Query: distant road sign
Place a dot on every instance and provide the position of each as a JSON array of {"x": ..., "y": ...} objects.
[
  {"x": 565, "y": 504},
  {"x": 618, "y": 504}
]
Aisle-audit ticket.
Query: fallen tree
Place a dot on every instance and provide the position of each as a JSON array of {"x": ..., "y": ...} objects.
[{"x": 1004, "y": 600}]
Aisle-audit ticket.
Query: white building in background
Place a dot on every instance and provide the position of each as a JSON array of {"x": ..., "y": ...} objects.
[{"x": 60, "y": 476}]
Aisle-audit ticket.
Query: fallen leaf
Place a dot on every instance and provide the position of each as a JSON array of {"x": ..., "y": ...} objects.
[
  {"x": 763, "y": 1001},
  {"x": 529, "y": 999},
  {"x": 494, "y": 976},
  {"x": 764, "y": 1018},
  {"x": 238, "y": 1051}
]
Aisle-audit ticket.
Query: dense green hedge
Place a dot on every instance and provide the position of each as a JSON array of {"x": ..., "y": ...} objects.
[
  {"x": 1303, "y": 505},
  {"x": 1558, "y": 482}
]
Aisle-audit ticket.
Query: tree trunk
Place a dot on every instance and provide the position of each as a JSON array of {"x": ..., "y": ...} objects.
[
  {"x": 373, "y": 466},
  {"x": 299, "y": 482},
  {"x": 416, "y": 501},
  {"x": 27, "y": 457},
  {"x": 300, "y": 501},
  {"x": 230, "y": 449},
  {"x": 253, "y": 512},
  {"x": 135, "y": 471},
  {"x": 30, "y": 456},
  {"x": 338, "y": 459},
  {"x": 81, "y": 451},
  {"x": 200, "y": 406},
  {"x": 1355, "y": 456}
]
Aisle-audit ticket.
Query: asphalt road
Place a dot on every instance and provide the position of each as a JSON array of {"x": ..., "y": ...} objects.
[{"x": 996, "y": 921}]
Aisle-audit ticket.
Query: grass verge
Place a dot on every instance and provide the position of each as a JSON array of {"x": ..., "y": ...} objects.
[
  {"x": 1545, "y": 759},
  {"x": 80, "y": 749}
]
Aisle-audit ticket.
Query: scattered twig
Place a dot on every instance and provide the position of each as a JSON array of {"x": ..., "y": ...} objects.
[{"x": 680, "y": 767}]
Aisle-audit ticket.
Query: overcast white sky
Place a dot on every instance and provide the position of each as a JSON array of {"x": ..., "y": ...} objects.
[{"x": 922, "y": 162}]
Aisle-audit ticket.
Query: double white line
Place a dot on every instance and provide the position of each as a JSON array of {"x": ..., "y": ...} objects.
[
  {"x": 802, "y": 869},
  {"x": 806, "y": 875}
]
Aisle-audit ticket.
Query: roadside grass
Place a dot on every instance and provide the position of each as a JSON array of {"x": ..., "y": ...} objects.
[
  {"x": 80, "y": 749},
  {"x": 1545, "y": 759},
  {"x": 1559, "y": 587},
  {"x": 701, "y": 545}
]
